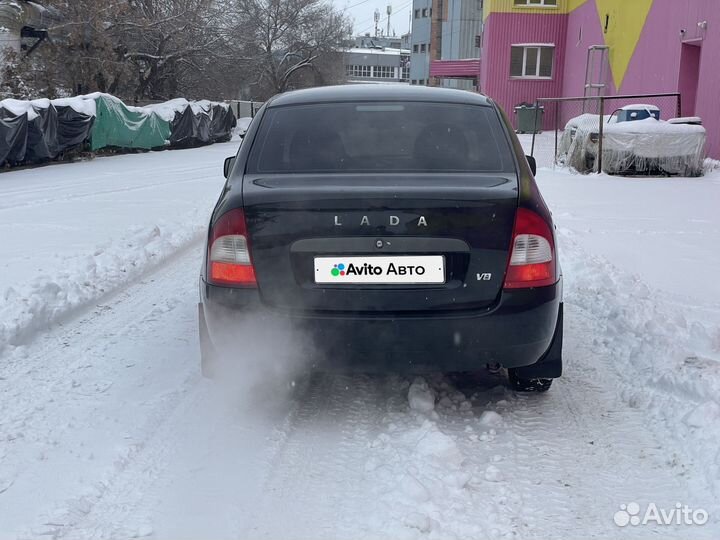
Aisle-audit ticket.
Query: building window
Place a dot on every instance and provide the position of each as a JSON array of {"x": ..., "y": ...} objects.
[
  {"x": 357, "y": 71},
  {"x": 422, "y": 48},
  {"x": 552, "y": 3},
  {"x": 405, "y": 73},
  {"x": 415, "y": 48},
  {"x": 384, "y": 72},
  {"x": 532, "y": 61},
  {"x": 417, "y": 13},
  {"x": 424, "y": 12}
]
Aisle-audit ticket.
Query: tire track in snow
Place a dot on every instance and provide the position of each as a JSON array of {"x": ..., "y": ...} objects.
[
  {"x": 98, "y": 193},
  {"x": 579, "y": 452},
  {"x": 54, "y": 408},
  {"x": 323, "y": 455},
  {"x": 50, "y": 301}
]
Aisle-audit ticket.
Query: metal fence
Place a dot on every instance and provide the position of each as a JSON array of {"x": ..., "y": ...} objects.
[
  {"x": 243, "y": 109},
  {"x": 563, "y": 118}
]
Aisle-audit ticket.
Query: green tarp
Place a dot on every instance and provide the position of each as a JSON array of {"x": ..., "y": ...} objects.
[{"x": 118, "y": 126}]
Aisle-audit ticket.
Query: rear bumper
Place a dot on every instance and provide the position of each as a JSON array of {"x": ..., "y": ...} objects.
[{"x": 516, "y": 332}]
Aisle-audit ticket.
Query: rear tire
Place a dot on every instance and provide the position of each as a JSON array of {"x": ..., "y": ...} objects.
[{"x": 528, "y": 385}]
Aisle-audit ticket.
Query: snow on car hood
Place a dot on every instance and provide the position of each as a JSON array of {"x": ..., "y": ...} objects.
[
  {"x": 650, "y": 138},
  {"x": 652, "y": 126}
]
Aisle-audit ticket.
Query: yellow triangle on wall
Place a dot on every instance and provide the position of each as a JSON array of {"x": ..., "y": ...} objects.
[{"x": 624, "y": 27}]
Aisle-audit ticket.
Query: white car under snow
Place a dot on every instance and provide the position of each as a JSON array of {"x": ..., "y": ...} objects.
[{"x": 647, "y": 146}]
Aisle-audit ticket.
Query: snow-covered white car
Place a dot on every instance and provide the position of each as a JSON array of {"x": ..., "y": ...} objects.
[
  {"x": 635, "y": 141},
  {"x": 578, "y": 144},
  {"x": 652, "y": 146}
]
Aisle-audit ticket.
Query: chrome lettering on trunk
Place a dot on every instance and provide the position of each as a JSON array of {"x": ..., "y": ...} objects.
[{"x": 394, "y": 221}]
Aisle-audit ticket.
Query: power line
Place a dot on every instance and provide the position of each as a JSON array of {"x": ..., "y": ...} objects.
[
  {"x": 371, "y": 27},
  {"x": 356, "y": 5}
]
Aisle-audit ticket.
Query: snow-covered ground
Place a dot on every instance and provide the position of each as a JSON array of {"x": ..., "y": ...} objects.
[
  {"x": 108, "y": 431},
  {"x": 73, "y": 232}
]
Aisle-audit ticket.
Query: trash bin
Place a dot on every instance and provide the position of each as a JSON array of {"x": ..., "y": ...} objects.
[{"x": 528, "y": 119}]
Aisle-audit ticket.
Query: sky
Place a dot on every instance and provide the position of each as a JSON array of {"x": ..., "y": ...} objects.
[{"x": 361, "y": 11}]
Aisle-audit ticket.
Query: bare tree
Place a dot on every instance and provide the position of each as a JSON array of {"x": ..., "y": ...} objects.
[
  {"x": 166, "y": 40},
  {"x": 159, "y": 49},
  {"x": 141, "y": 49},
  {"x": 83, "y": 53},
  {"x": 277, "y": 40}
]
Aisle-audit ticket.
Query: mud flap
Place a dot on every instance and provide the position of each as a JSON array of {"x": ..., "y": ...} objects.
[{"x": 550, "y": 365}]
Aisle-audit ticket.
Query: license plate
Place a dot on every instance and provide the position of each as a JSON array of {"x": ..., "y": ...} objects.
[{"x": 402, "y": 269}]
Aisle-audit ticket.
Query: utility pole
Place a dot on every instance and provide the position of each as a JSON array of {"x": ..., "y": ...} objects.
[{"x": 389, "y": 12}]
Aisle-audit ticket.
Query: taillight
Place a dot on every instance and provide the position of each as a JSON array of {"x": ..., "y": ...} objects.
[
  {"x": 229, "y": 256},
  {"x": 532, "y": 258}
]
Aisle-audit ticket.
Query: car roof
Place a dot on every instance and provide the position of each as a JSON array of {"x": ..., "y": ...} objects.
[
  {"x": 640, "y": 106},
  {"x": 378, "y": 92}
]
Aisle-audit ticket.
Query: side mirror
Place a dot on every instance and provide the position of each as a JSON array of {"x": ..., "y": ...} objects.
[
  {"x": 228, "y": 165},
  {"x": 533, "y": 164}
]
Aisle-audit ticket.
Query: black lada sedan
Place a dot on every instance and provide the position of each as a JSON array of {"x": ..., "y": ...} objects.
[{"x": 397, "y": 227}]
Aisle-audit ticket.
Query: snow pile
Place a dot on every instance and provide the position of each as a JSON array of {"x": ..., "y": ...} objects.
[
  {"x": 82, "y": 280},
  {"x": 243, "y": 124},
  {"x": 425, "y": 482},
  {"x": 421, "y": 397},
  {"x": 711, "y": 166},
  {"x": 669, "y": 362}
]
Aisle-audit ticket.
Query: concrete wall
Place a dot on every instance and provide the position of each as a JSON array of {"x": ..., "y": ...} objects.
[
  {"x": 461, "y": 23},
  {"x": 464, "y": 22},
  {"x": 420, "y": 62}
]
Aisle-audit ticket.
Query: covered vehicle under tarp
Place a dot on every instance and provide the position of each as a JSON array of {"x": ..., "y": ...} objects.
[
  {"x": 13, "y": 137},
  {"x": 222, "y": 122},
  {"x": 74, "y": 127},
  {"x": 42, "y": 141},
  {"x": 578, "y": 144},
  {"x": 122, "y": 127},
  {"x": 43, "y": 128},
  {"x": 191, "y": 127},
  {"x": 201, "y": 122},
  {"x": 653, "y": 146}
]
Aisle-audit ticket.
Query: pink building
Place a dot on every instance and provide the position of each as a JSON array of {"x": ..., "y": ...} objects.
[{"x": 539, "y": 48}]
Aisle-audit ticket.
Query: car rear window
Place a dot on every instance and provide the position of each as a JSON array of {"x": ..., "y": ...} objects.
[{"x": 380, "y": 137}]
